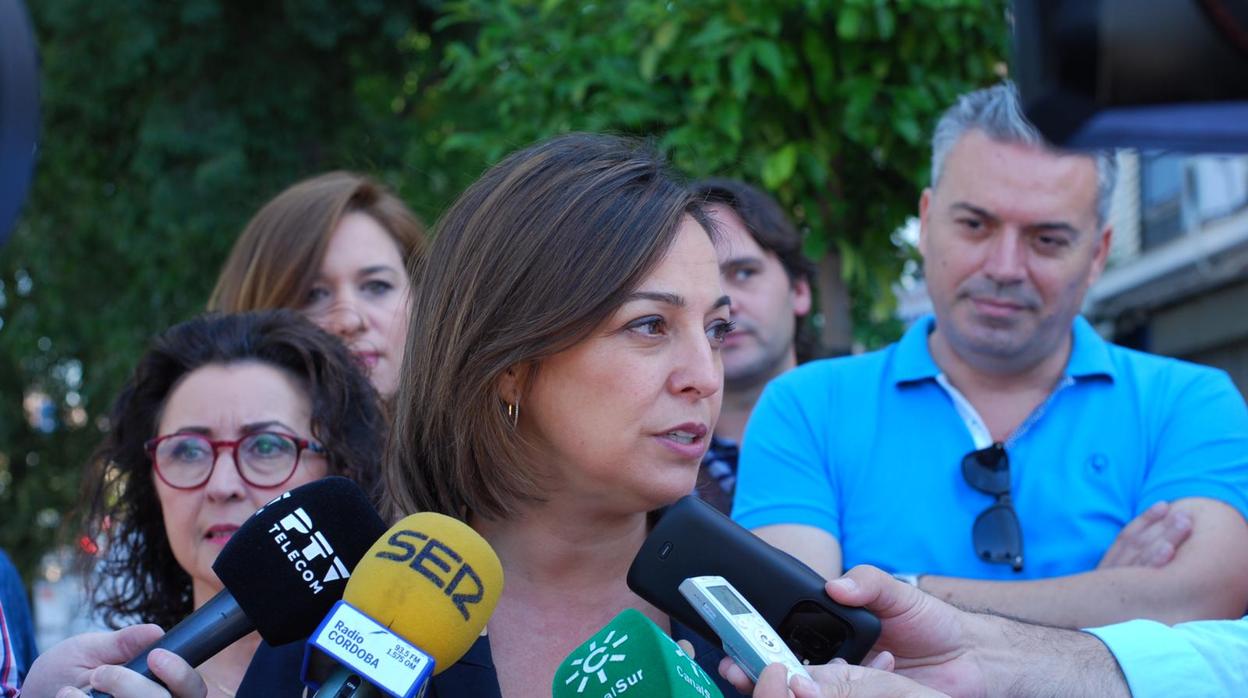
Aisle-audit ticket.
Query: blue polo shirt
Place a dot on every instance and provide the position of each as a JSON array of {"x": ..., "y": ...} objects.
[{"x": 869, "y": 449}]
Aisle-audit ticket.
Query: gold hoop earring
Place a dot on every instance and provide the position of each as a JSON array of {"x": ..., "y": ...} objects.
[{"x": 513, "y": 413}]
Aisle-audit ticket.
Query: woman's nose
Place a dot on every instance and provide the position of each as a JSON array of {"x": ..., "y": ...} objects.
[
  {"x": 344, "y": 319},
  {"x": 699, "y": 371},
  {"x": 225, "y": 481}
]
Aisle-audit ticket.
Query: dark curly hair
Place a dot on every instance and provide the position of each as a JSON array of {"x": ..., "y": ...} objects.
[{"x": 137, "y": 577}]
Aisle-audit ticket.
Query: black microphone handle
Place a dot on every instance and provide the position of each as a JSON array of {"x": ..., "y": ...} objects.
[
  {"x": 344, "y": 683},
  {"x": 210, "y": 629}
]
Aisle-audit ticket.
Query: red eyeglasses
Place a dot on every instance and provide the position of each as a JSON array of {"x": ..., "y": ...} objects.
[{"x": 263, "y": 459}]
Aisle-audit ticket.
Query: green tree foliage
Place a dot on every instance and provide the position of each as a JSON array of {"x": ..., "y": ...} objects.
[
  {"x": 167, "y": 123},
  {"x": 827, "y": 103}
]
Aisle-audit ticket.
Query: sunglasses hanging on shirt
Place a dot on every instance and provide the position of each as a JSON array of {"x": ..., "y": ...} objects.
[{"x": 997, "y": 534}]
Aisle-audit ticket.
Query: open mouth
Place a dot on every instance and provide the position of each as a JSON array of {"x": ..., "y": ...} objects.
[
  {"x": 368, "y": 359},
  {"x": 682, "y": 437},
  {"x": 686, "y": 434},
  {"x": 220, "y": 534}
]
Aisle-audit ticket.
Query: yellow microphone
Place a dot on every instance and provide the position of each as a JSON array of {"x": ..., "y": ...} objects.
[{"x": 413, "y": 606}]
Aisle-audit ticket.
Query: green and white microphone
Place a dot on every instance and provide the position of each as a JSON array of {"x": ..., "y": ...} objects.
[{"x": 631, "y": 658}]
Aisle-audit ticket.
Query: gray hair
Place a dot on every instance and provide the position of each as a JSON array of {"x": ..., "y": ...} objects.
[{"x": 997, "y": 112}]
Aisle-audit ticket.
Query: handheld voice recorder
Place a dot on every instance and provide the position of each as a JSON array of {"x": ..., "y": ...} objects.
[
  {"x": 692, "y": 539},
  {"x": 746, "y": 636}
]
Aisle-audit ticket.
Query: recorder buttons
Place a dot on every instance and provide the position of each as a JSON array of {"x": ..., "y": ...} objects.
[{"x": 765, "y": 638}]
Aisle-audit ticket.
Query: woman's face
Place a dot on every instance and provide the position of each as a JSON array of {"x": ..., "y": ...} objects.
[
  {"x": 625, "y": 416},
  {"x": 362, "y": 294},
  {"x": 227, "y": 402}
]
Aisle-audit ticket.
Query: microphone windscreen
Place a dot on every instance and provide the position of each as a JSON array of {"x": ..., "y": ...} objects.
[
  {"x": 433, "y": 581},
  {"x": 289, "y": 563},
  {"x": 632, "y": 654}
]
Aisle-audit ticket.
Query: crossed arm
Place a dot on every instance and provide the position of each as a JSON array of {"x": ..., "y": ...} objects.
[{"x": 1206, "y": 578}]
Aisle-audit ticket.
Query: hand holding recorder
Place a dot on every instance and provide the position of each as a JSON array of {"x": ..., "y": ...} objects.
[
  {"x": 692, "y": 539},
  {"x": 926, "y": 635},
  {"x": 747, "y": 638}
]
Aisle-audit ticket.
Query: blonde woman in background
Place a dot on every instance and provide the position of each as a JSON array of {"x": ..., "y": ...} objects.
[{"x": 341, "y": 249}]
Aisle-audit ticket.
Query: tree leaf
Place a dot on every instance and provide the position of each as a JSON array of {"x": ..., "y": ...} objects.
[
  {"x": 849, "y": 23},
  {"x": 779, "y": 166},
  {"x": 768, "y": 56},
  {"x": 742, "y": 74}
]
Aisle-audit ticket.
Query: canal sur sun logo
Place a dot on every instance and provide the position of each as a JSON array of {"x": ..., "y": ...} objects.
[{"x": 594, "y": 663}]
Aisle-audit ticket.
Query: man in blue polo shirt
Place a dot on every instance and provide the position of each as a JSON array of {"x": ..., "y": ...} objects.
[{"x": 994, "y": 453}]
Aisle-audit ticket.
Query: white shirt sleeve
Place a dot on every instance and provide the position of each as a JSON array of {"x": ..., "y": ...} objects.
[{"x": 1197, "y": 658}]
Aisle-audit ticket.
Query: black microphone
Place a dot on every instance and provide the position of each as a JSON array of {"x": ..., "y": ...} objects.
[{"x": 283, "y": 570}]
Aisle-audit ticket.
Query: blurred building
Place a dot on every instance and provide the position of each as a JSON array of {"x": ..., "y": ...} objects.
[
  {"x": 1177, "y": 280},
  {"x": 60, "y": 603}
]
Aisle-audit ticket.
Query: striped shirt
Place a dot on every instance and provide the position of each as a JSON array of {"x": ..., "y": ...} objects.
[{"x": 8, "y": 662}]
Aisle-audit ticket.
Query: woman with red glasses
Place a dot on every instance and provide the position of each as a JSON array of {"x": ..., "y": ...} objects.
[{"x": 223, "y": 413}]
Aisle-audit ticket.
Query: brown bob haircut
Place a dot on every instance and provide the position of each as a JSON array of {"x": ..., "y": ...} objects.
[
  {"x": 534, "y": 256},
  {"x": 278, "y": 255}
]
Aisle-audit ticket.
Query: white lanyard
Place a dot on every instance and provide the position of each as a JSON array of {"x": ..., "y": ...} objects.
[{"x": 974, "y": 423}]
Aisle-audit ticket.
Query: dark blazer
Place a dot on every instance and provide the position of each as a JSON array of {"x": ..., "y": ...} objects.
[{"x": 274, "y": 671}]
